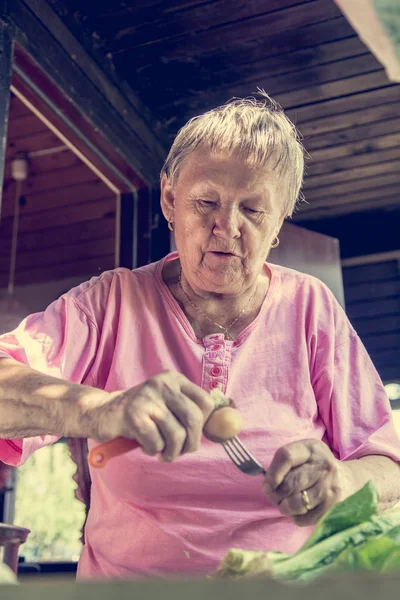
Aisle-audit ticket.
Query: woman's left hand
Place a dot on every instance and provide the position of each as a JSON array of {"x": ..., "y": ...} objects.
[{"x": 306, "y": 465}]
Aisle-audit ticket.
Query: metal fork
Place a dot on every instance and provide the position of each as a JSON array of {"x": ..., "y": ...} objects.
[{"x": 242, "y": 458}]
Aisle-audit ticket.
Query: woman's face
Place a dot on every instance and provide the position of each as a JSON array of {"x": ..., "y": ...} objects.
[{"x": 226, "y": 215}]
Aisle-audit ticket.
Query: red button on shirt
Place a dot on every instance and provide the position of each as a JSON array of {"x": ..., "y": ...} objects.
[
  {"x": 216, "y": 371},
  {"x": 214, "y": 384},
  {"x": 216, "y": 347}
]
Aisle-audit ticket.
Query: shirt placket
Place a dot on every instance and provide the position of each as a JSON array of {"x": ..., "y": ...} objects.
[{"x": 216, "y": 362}]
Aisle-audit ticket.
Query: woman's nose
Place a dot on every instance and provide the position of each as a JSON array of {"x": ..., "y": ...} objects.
[{"x": 227, "y": 224}]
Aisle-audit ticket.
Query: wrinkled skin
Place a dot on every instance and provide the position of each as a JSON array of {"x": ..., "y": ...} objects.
[
  {"x": 166, "y": 415},
  {"x": 221, "y": 204},
  {"x": 304, "y": 465}
]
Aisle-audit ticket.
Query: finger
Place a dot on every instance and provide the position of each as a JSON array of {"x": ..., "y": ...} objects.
[
  {"x": 314, "y": 515},
  {"x": 286, "y": 458},
  {"x": 297, "y": 504},
  {"x": 190, "y": 417},
  {"x": 173, "y": 434},
  {"x": 329, "y": 497},
  {"x": 298, "y": 479},
  {"x": 147, "y": 434},
  {"x": 201, "y": 398}
]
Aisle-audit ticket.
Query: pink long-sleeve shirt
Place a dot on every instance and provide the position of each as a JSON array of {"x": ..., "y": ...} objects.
[{"x": 298, "y": 371}]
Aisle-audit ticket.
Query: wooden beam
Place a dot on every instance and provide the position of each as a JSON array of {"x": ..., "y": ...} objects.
[
  {"x": 69, "y": 125},
  {"x": 382, "y": 306},
  {"x": 381, "y": 142},
  {"x": 139, "y": 8},
  {"x": 354, "y": 118},
  {"x": 54, "y": 180},
  {"x": 353, "y": 134},
  {"x": 6, "y": 41},
  {"x": 372, "y": 290},
  {"x": 378, "y": 342},
  {"x": 246, "y": 63},
  {"x": 65, "y": 196},
  {"x": 81, "y": 250},
  {"x": 88, "y": 268},
  {"x": 225, "y": 35},
  {"x": 387, "y": 358},
  {"x": 356, "y": 173},
  {"x": 364, "y": 272},
  {"x": 311, "y": 94},
  {"x": 352, "y": 187},
  {"x": 88, "y": 211},
  {"x": 365, "y": 327},
  {"x": 52, "y": 237},
  {"x": 369, "y": 259},
  {"x": 23, "y": 126},
  {"x": 330, "y": 210},
  {"x": 45, "y": 163},
  {"x": 373, "y": 193},
  {"x": 350, "y": 162},
  {"x": 135, "y": 139},
  {"x": 292, "y": 81},
  {"x": 336, "y": 89},
  {"x": 132, "y": 31},
  {"x": 41, "y": 139},
  {"x": 340, "y": 106}
]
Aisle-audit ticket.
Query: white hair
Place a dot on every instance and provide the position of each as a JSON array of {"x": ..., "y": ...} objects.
[{"x": 256, "y": 130}]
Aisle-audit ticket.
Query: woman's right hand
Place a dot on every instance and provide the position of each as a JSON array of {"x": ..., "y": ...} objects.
[{"x": 166, "y": 415}]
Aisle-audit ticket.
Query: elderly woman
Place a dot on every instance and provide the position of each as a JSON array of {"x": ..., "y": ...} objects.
[{"x": 136, "y": 353}]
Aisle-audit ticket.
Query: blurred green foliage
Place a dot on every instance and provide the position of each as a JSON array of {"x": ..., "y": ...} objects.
[{"x": 46, "y": 505}]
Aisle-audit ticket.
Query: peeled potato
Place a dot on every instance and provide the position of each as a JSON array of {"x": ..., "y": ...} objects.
[{"x": 223, "y": 424}]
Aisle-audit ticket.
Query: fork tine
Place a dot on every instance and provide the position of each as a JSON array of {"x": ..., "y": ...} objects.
[
  {"x": 231, "y": 455},
  {"x": 240, "y": 448},
  {"x": 235, "y": 451},
  {"x": 242, "y": 458}
]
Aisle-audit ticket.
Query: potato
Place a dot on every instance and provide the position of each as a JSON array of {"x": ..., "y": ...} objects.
[{"x": 223, "y": 424}]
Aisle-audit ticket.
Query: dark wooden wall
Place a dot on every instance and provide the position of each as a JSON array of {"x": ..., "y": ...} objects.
[
  {"x": 67, "y": 223},
  {"x": 372, "y": 293}
]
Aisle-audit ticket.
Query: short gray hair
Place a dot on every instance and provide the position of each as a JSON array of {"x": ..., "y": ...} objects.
[{"x": 257, "y": 130}]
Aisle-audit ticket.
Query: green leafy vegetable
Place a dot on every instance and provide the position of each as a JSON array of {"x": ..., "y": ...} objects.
[
  {"x": 352, "y": 511},
  {"x": 350, "y": 536},
  {"x": 323, "y": 554},
  {"x": 373, "y": 555}
]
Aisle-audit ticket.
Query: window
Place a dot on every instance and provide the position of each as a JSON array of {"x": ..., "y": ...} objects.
[
  {"x": 393, "y": 391},
  {"x": 45, "y": 504}
]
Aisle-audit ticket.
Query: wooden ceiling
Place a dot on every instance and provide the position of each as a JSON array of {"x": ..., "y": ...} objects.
[
  {"x": 182, "y": 57},
  {"x": 67, "y": 214}
]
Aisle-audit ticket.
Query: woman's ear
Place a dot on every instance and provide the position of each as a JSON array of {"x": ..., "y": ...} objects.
[{"x": 167, "y": 199}]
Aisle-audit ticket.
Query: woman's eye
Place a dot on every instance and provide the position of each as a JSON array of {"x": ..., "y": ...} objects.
[
  {"x": 206, "y": 203},
  {"x": 253, "y": 211}
]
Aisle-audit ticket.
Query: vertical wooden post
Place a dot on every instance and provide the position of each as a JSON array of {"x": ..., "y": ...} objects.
[
  {"x": 128, "y": 234},
  {"x": 144, "y": 233},
  {"x": 6, "y": 40},
  {"x": 160, "y": 234},
  {"x": 144, "y": 227}
]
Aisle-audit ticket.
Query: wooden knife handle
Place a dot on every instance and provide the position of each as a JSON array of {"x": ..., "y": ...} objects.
[{"x": 101, "y": 454}]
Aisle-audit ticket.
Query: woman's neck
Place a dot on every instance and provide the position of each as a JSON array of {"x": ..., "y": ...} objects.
[{"x": 216, "y": 313}]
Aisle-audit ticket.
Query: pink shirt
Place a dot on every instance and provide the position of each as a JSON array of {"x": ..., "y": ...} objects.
[{"x": 298, "y": 371}]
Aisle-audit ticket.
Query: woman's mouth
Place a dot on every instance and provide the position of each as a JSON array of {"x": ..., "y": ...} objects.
[{"x": 222, "y": 255}]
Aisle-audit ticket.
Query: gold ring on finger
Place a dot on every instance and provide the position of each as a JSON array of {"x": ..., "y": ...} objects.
[{"x": 306, "y": 500}]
